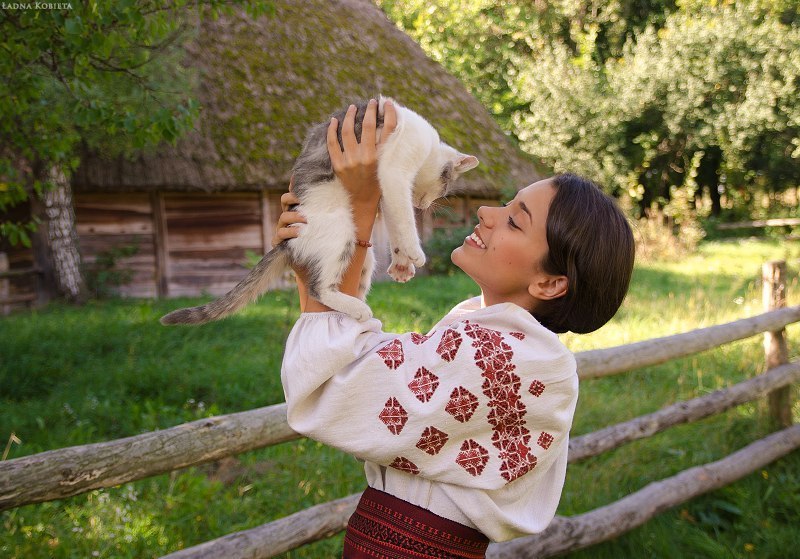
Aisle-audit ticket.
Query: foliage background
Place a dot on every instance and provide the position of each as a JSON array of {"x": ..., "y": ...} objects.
[{"x": 663, "y": 102}]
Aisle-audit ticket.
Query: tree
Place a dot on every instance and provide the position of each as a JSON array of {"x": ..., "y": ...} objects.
[
  {"x": 102, "y": 75},
  {"x": 489, "y": 44},
  {"x": 710, "y": 97},
  {"x": 658, "y": 100}
]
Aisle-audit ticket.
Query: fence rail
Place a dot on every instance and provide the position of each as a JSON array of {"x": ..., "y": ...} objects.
[
  {"x": 61, "y": 473},
  {"x": 777, "y": 222},
  {"x": 604, "y": 523},
  {"x": 70, "y": 471}
]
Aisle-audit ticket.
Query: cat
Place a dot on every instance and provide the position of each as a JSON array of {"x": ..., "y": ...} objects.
[{"x": 414, "y": 169}]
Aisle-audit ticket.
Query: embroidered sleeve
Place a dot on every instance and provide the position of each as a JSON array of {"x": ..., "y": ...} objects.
[{"x": 466, "y": 404}]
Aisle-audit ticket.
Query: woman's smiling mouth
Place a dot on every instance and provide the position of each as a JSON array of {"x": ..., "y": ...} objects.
[{"x": 474, "y": 239}]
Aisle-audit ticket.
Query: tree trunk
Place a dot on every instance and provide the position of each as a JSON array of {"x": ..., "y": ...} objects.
[{"x": 56, "y": 242}]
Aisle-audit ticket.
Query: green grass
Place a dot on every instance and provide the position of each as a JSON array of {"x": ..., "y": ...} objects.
[{"x": 78, "y": 375}]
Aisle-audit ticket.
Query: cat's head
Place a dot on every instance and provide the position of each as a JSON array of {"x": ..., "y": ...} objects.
[{"x": 437, "y": 177}]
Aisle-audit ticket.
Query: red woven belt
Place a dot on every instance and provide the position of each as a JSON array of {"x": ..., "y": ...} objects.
[{"x": 386, "y": 527}]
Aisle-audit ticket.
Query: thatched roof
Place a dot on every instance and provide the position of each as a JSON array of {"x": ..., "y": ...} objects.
[{"x": 264, "y": 81}]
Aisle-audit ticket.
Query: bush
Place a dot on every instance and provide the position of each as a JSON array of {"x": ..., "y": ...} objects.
[
  {"x": 439, "y": 247},
  {"x": 103, "y": 275},
  {"x": 659, "y": 238}
]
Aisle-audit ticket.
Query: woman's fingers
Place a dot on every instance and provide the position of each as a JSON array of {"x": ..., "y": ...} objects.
[
  {"x": 369, "y": 124},
  {"x": 287, "y": 219},
  {"x": 288, "y": 199},
  {"x": 389, "y": 120},
  {"x": 286, "y": 227},
  {"x": 334, "y": 150},
  {"x": 348, "y": 130}
]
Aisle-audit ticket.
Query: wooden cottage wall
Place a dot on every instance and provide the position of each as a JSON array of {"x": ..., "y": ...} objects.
[
  {"x": 187, "y": 244},
  {"x": 195, "y": 244},
  {"x": 207, "y": 239},
  {"x": 17, "y": 291},
  {"x": 108, "y": 222}
]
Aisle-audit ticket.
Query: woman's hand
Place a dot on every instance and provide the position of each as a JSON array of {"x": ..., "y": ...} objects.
[
  {"x": 286, "y": 228},
  {"x": 357, "y": 165}
]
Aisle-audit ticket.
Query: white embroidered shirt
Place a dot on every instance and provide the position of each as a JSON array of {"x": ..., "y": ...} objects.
[{"x": 470, "y": 421}]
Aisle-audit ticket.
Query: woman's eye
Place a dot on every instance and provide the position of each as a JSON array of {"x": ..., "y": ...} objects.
[{"x": 511, "y": 223}]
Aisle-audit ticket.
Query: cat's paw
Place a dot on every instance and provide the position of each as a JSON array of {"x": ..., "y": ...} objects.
[
  {"x": 415, "y": 255},
  {"x": 357, "y": 309},
  {"x": 401, "y": 269},
  {"x": 361, "y": 314}
]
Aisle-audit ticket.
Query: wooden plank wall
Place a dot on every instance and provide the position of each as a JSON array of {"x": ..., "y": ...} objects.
[
  {"x": 188, "y": 244},
  {"x": 108, "y": 221},
  {"x": 195, "y": 244},
  {"x": 207, "y": 240},
  {"x": 20, "y": 289}
]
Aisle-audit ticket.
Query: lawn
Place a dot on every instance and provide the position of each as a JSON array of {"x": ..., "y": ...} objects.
[{"x": 71, "y": 376}]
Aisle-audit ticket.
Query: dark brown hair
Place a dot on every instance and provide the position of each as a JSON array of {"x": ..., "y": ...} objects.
[{"x": 591, "y": 243}]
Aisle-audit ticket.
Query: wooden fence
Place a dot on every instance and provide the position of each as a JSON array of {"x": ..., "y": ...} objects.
[
  {"x": 70, "y": 471},
  {"x": 777, "y": 222}
]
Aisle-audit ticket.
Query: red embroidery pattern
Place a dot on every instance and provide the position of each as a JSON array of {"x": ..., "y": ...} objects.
[
  {"x": 473, "y": 457},
  {"x": 432, "y": 440},
  {"x": 394, "y": 416},
  {"x": 501, "y": 385},
  {"x": 404, "y": 464},
  {"x": 514, "y": 465},
  {"x": 507, "y": 416},
  {"x": 392, "y": 354},
  {"x": 418, "y": 339},
  {"x": 424, "y": 384},
  {"x": 537, "y": 387},
  {"x": 482, "y": 335},
  {"x": 449, "y": 344},
  {"x": 518, "y": 335},
  {"x": 545, "y": 440},
  {"x": 495, "y": 357},
  {"x": 462, "y": 404}
]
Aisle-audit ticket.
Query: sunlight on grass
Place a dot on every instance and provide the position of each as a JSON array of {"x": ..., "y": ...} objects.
[{"x": 110, "y": 370}]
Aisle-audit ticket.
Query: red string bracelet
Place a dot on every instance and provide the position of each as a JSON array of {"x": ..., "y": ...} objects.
[{"x": 365, "y": 244}]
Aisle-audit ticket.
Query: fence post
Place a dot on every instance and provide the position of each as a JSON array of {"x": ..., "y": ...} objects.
[
  {"x": 5, "y": 284},
  {"x": 775, "y": 349}
]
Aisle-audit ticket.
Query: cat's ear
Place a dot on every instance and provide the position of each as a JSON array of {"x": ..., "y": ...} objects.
[{"x": 465, "y": 162}]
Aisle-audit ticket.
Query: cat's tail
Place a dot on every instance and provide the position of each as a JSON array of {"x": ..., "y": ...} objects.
[{"x": 270, "y": 267}]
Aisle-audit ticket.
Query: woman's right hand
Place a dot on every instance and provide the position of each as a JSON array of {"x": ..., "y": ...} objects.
[
  {"x": 288, "y": 220},
  {"x": 287, "y": 228}
]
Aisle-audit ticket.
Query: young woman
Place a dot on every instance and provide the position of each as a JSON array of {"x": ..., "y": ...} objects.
[{"x": 464, "y": 430}]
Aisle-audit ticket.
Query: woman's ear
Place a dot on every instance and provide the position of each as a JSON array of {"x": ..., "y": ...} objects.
[{"x": 546, "y": 287}]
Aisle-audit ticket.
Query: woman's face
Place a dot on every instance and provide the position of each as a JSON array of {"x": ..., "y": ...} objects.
[{"x": 504, "y": 253}]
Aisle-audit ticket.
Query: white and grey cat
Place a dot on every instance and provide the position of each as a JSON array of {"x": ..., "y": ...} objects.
[{"x": 414, "y": 169}]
